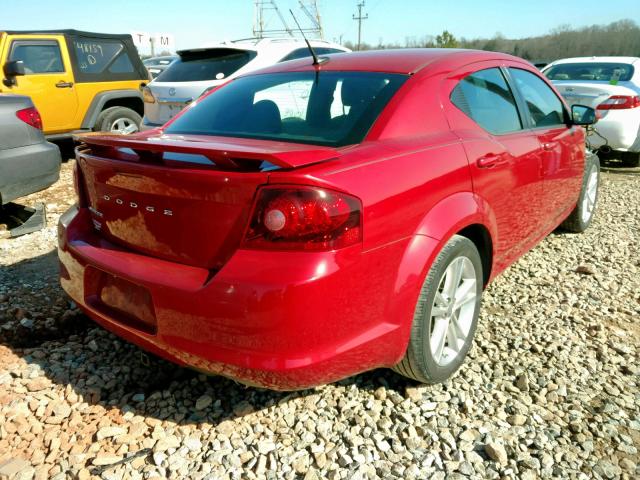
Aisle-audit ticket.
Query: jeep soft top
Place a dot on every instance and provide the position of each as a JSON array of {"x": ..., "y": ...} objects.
[{"x": 82, "y": 44}]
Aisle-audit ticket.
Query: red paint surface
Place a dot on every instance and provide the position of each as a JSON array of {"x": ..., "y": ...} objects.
[{"x": 287, "y": 319}]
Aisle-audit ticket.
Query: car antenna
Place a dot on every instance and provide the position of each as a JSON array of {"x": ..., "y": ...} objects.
[{"x": 316, "y": 60}]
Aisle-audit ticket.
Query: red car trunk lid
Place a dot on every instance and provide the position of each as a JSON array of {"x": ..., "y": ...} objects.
[{"x": 183, "y": 199}]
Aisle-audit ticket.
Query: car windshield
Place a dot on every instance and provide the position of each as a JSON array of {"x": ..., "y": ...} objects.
[
  {"x": 601, "y": 72},
  {"x": 209, "y": 64},
  {"x": 328, "y": 108}
]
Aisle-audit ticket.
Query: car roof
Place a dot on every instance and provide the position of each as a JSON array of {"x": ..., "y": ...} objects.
[
  {"x": 283, "y": 45},
  {"x": 597, "y": 60},
  {"x": 403, "y": 61}
]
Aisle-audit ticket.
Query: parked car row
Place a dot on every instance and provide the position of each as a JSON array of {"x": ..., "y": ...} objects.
[
  {"x": 288, "y": 222},
  {"x": 104, "y": 85}
]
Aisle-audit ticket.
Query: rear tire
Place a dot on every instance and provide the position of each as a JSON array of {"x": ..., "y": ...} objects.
[
  {"x": 580, "y": 219},
  {"x": 630, "y": 159},
  {"x": 446, "y": 314},
  {"x": 118, "y": 120}
]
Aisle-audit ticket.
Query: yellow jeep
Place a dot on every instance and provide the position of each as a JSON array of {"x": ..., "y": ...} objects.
[{"x": 77, "y": 80}]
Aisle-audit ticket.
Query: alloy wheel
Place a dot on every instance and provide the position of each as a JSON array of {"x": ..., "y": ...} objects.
[
  {"x": 452, "y": 311},
  {"x": 590, "y": 195},
  {"x": 124, "y": 126}
]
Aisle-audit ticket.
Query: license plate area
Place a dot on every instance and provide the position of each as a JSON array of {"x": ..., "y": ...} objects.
[{"x": 120, "y": 300}]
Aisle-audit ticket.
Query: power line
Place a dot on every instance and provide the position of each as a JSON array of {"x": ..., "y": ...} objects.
[{"x": 360, "y": 18}]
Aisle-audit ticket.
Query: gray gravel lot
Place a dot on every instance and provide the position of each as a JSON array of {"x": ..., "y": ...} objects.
[{"x": 550, "y": 389}]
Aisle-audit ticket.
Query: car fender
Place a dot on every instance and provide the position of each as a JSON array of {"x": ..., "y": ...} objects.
[
  {"x": 100, "y": 100},
  {"x": 445, "y": 219}
]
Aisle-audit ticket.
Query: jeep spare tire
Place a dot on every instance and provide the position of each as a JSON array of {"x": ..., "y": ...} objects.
[{"x": 118, "y": 120}]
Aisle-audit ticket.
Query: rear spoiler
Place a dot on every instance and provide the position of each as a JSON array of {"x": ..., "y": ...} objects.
[{"x": 222, "y": 151}]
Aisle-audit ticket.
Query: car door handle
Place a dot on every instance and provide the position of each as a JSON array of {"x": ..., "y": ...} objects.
[
  {"x": 64, "y": 84},
  {"x": 548, "y": 146},
  {"x": 489, "y": 161}
]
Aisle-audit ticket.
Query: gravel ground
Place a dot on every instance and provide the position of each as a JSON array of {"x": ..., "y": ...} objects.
[{"x": 550, "y": 389}]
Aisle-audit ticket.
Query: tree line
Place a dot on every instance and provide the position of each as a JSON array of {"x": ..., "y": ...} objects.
[{"x": 617, "y": 38}]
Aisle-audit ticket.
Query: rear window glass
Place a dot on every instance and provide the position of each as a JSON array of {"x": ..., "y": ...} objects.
[
  {"x": 206, "y": 65},
  {"x": 98, "y": 56},
  {"x": 599, "y": 72},
  {"x": 334, "y": 108}
]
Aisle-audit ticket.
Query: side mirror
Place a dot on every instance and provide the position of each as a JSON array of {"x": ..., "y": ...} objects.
[
  {"x": 11, "y": 70},
  {"x": 14, "y": 68},
  {"x": 583, "y": 115}
]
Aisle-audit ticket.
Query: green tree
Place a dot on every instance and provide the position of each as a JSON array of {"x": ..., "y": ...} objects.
[{"x": 446, "y": 40}]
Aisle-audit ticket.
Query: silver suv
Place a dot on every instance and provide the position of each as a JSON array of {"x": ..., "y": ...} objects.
[{"x": 200, "y": 69}]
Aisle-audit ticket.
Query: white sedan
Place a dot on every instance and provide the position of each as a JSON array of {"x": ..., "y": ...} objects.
[{"x": 611, "y": 85}]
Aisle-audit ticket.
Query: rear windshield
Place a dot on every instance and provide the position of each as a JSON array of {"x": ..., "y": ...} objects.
[
  {"x": 206, "y": 65},
  {"x": 602, "y": 72},
  {"x": 332, "y": 108}
]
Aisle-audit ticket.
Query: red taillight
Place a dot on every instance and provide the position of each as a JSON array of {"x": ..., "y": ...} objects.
[
  {"x": 304, "y": 218},
  {"x": 620, "y": 102},
  {"x": 30, "y": 116}
]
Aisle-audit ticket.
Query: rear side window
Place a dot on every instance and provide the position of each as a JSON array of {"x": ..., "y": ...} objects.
[
  {"x": 598, "y": 72},
  {"x": 545, "y": 108},
  {"x": 214, "y": 64},
  {"x": 95, "y": 57},
  {"x": 487, "y": 99},
  {"x": 40, "y": 56}
]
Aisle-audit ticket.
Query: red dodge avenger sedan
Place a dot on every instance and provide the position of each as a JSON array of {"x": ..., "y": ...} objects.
[{"x": 311, "y": 221}]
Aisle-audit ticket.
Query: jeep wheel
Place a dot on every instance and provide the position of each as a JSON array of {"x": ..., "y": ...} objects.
[{"x": 118, "y": 120}]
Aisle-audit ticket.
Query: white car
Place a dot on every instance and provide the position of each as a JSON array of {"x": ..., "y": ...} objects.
[
  {"x": 611, "y": 85},
  {"x": 200, "y": 69}
]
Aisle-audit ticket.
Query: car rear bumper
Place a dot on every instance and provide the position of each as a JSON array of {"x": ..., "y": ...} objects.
[
  {"x": 279, "y": 320},
  {"x": 620, "y": 128},
  {"x": 26, "y": 170}
]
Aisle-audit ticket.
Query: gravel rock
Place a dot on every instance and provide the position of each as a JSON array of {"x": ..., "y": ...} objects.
[
  {"x": 496, "y": 452},
  {"x": 107, "y": 432},
  {"x": 203, "y": 402}
]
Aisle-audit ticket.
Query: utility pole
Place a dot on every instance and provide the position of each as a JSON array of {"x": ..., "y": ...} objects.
[{"x": 360, "y": 18}]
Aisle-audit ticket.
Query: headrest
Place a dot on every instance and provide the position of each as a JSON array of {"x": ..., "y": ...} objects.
[{"x": 265, "y": 117}]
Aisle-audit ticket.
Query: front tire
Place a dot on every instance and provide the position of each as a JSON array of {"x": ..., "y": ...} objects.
[
  {"x": 580, "y": 219},
  {"x": 118, "y": 120},
  {"x": 446, "y": 315}
]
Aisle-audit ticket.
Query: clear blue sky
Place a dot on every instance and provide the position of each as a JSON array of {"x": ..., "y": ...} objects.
[{"x": 194, "y": 22}]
